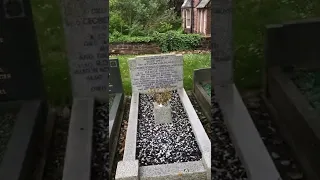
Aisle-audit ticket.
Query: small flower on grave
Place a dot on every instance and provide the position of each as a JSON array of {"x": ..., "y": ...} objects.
[{"x": 161, "y": 97}]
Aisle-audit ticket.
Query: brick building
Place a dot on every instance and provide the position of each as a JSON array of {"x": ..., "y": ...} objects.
[{"x": 196, "y": 15}]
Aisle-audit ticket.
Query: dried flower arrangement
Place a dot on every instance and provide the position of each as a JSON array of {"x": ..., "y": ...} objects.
[{"x": 163, "y": 97}]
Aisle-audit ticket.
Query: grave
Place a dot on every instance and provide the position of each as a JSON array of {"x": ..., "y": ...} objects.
[
  {"x": 177, "y": 149},
  {"x": 291, "y": 90},
  {"x": 86, "y": 34},
  {"x": 248, "y": 145},
  {"x": 23, "y": 108},
  {"x": 116, "y": 104},
  {"x": 202, "y": 89}
]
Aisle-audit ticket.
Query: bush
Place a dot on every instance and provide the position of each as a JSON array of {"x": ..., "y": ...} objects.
[
  {"x": 175, "y": 41},
  {"x": 168, "y": 41}
]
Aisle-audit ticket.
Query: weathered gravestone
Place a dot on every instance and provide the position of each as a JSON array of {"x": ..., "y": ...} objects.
[
  {"x": 86, "y": 32},
  {"x": 23, "y": 109},
  {"x": 160, "y": 73},
  {"x": 116, "y": 98},
  {"x": 157, "y": 87},
  {"x": 292, "y": 69},
  {"x": 243, "y": 133}
]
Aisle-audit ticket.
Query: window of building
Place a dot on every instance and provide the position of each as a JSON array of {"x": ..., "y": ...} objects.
[{"x": 188, "y": 18}]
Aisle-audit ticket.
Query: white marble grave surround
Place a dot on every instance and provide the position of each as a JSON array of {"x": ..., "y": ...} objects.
[
  {"x": 129, "y": 169},
  {"x": 86, "y": 28},
  {"x": 156, "y": 72}
]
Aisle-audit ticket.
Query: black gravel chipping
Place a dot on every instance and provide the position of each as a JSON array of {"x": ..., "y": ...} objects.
[
  {"x": 55, "y": 160},
  {"x": 7, "y": 121},
  {"x": 225, "y": 163},
  {"x": 165, "y": 143},
  {"x": 278, "y": 149},
  {"x": 100, "y": 143}
]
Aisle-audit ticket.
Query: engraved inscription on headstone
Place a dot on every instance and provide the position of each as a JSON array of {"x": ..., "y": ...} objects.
[
  {"x": 20, "y": 70},
  {"x": 115, "y": 82},
  {"x": 222, "y": 55},
  {"x": 86, "y": 28},
  {"x": 156, "y": 72}
]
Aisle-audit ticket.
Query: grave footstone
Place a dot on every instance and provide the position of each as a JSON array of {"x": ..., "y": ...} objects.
[
  {"x": 86, "y": 33},
  {"x": 23, "y": 109}
]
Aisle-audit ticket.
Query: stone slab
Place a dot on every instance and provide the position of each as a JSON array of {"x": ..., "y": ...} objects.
[
  {"x": 77, "y": 163},
  {"x": 204, "y": 100},
  {"x": 19, "y": 160},
  {"x": 86, "y": 32},
  {"x": 297, "y": 120},
  {"x": 115, "y": 81},
  {"x": 20, "y": 69},
  {"x": 129, "y": 158},
  {"x": 244, "y": 135},
  {"x": 156, "y": 72},
  {"x": 186, "y": 171},
  {"x": 222, "y": 55},
  {"x": 294, "y": 43},
  {"x": 115, "y": 120},
  {"x": 198, "y": 130},
  {"x": 127, "y": 170},
  {"x": 131, "y": 136}
]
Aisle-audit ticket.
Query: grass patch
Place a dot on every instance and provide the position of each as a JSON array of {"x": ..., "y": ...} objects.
[{"x": 191, "y": 62}]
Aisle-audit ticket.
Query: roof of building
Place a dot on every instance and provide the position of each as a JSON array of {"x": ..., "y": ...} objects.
[
  {"x": 186, "y": 4},
  {"x": 203, "y": 3}
]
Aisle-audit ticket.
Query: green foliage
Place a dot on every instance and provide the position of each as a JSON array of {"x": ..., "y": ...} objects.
[
  {"x": 142, "y": 17},
  {"x": 174, "y": 41},
  {"x": 168, "y": 41},
  {"x": 116, "y": 38}
]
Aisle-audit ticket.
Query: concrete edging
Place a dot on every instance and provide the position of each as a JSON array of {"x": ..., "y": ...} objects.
[
  {"x": 77, "y": 162},
  {"x": 244, "y": 135},
  {"x": 23, "y": 143},
  {"x": 204, "y": 100},
  {"x": 115, "y": 120},
  {"x": 128, "y": 168},
  {"x": 298, "y": 121}
]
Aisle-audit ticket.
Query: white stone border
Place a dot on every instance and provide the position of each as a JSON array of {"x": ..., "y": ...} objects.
[
  {"x": 244, "y": 135},
  {"x": 128, "y": 168}
]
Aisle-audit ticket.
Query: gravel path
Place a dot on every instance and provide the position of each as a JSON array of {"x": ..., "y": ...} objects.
[
  {"x": 7, "y": 121},
  {"x": 55, "y": 159},
  {"x": 165, "y": 143},
  {"x": 280, "y": 152},
  {"x": 100, "y": 146}
]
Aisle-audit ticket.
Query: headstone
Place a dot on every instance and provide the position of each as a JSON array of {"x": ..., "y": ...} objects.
[
  {"x": 86, "y": 31},
  {"x": 22, "y": 92},
  {"x": 221, "y": 39},
  {"x": 20, "y": 69},
  {"x": 156, "y": 72},
  {"x": 294, "y": 44},
  {"x": 115, "y": 82}
]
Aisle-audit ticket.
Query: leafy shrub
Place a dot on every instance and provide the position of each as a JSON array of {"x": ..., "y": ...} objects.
[
  {"x": 175, "y": 41},
  {"x": 168, "y": 41}
]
